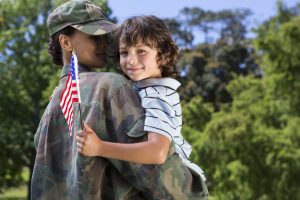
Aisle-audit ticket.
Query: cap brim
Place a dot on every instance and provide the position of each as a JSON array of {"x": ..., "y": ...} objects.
[{"x": 98, "y": 27}]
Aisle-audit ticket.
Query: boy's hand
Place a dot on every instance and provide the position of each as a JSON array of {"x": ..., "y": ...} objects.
[{"x": 88, "y": 143}]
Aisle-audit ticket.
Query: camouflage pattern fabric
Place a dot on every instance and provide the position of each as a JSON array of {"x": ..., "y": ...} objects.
[
  {"x": 82, "y": 15},
  {"x": 113, "y": 110}
]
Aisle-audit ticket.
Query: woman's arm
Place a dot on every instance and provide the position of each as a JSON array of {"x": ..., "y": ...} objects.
[{"x": 153, "y": 151}]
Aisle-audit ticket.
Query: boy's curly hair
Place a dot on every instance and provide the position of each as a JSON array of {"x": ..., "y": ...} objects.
[{"x": 150, "y": 31}]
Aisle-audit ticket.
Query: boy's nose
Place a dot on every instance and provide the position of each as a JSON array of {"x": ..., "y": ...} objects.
[{"x": 132, "y": 59}]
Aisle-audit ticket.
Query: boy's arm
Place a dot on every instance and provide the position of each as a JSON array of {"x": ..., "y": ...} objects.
[{"x": 152, "y": 151}]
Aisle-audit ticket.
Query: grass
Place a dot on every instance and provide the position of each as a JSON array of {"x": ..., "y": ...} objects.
[{"x": 19, "y": 193}]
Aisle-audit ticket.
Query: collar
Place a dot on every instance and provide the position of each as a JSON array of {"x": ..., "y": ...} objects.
[
  {"x": 66, "y": 70},
  {"x": 167, "y": 82}
]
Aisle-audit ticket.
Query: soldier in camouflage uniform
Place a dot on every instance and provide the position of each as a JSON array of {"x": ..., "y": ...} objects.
[{"x": 112, "y": 109}]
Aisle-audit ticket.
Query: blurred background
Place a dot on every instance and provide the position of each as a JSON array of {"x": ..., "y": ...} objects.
[{"x": 240, "y": 75}]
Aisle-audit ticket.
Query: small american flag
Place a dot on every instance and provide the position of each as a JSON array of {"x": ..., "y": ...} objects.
[{"x": 71, "y": 93}]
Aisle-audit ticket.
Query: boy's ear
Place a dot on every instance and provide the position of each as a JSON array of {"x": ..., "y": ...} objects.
[{"x": 65, "y": 42}]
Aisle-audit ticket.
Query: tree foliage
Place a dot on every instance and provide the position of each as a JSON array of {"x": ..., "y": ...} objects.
[
  {"x": 207, "y": 68},
  {"x": 25, "y": 70},
  {"x": 250, "y": 149}
]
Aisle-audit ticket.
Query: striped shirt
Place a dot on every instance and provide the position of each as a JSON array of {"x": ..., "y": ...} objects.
[{"x": 161, "y": 102}]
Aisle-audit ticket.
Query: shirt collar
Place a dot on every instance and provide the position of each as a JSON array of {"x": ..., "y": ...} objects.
[
  {"x": 167, "y": 82},
  {"x": 66, "y": 69}
]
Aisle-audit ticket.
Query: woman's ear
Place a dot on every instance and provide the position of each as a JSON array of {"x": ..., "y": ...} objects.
[{"x": 65, "y": 42}]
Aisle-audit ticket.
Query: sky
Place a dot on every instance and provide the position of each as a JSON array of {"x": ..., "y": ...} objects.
[{"x": 262, "y": 9}]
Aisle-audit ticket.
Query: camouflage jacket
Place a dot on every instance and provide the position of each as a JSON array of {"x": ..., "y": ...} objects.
[{"x": 113, "y": 110}]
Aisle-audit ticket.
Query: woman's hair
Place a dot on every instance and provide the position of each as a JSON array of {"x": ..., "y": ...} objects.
[
  {"x": 150, "y": 31},
  {"x": 54, "y": 48}
]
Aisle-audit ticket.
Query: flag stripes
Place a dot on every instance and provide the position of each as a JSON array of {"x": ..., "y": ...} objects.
[{"x": 70, "y": 94}]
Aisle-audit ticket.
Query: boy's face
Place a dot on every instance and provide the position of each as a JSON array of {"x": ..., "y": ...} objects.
[
  {"x": 91, "y": 50},
  {"x": 139, "y": 62}
]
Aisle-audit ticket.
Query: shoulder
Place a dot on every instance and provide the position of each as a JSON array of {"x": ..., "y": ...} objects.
[
  {"x": 104, "y": 78},
  {"x": 158, "y": 82},
  {"x": 106, "y": 84}
]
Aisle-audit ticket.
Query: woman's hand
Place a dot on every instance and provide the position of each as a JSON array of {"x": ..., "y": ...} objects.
[{"x": 88, "y": 142}]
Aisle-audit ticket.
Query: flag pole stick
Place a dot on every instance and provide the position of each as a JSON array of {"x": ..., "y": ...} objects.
[
  {"x": 81, "y": 121},
  {"x": 77, "y": 83}
]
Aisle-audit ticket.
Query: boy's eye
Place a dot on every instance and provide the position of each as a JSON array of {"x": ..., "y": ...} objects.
[
  {"x": 140, "y": 51},
  {"x": 123, "y": 53}
]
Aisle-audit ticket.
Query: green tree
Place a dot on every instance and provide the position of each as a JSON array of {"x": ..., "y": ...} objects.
[
  {"x": 230, "y": 25},
  {"x": 233, "y": 24},
  {"x": 183, "y": 38},
  {"x": 208, "y": 68},
  {"x": 250, "y": 149},
  {"x": 25, "y": 70}
]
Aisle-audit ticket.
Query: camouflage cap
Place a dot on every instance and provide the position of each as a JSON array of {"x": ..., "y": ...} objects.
[{"x": 82, "y": 15}]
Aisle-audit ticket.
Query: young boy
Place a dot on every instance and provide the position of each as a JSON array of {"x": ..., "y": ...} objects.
[{"x": 147, "y": 55}]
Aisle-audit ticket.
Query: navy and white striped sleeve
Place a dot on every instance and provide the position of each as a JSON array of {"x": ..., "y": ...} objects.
[{"x": 160, "y": 114}]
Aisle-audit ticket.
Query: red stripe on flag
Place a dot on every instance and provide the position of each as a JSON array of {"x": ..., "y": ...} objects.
[{"x": 68, "y": 97}]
